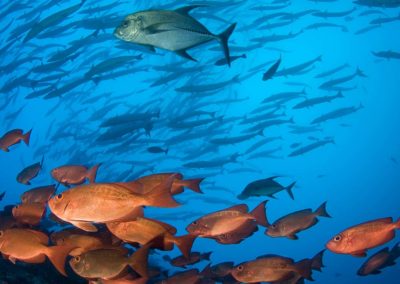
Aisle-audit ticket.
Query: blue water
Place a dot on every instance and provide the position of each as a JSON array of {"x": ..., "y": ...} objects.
[{"x": 358, "y": 176}]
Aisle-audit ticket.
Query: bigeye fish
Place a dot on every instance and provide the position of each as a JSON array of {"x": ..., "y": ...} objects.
[
  {"x": 109, "y": 263},
  {"x": 108, "y": 202},
  {"x": 289, "y": 225},
  {"x": 358, "y": 239},
  {"x": 40, "y": 194},
  {"x": 271, "y": 268},
  {"x": 29, "y": 213},
  {"x": 29, "y": 173},
  {"x": 227, "y": 220},
  {"x": 173, "y": 30},
  {"x": 379, "y": 260},
  {"x": 13, "y": 137},
  {"x": 143, "y": 230},
  {"x": 31, "y": 246},
  {"x": 74, "y": 174}
]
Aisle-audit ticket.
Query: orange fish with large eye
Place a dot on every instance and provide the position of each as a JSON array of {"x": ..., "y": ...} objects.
[
  {"x": 31, "y": 246},
  {"x": 358, "y": 239},
  {"x": 14, "y": 137},
  {"x": 107, "y": 202}
]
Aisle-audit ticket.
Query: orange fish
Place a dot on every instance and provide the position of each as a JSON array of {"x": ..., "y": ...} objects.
[
  {"x": 29, "y": 173},
  {"x": 40, "y": 194},
  {"x": 144, "y": 230},
  {"x": 107, "y": 202},
  {"x": 14, "y": 137},
  {"x": 82, "y": 241},
  {"x": 109, "y": 263},
  {"x": 150, "y": 181},
  {"x": 29, "y": 213},
  {"x": 271, "y": 268},
  {"x": 358, "y": 239},
  {"x": 227, "y": 220},
  {"x": 74, "y": 174},
  {"x": 30, "y": 246}
]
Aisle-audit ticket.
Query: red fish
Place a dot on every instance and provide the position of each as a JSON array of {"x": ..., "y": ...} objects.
[
  {"x": 14, "y": 137},
  {"x": 74, "y": 174},
  {"x": 40, "y": 194},
  {"x": 29, "y": 173},
  {"x": 358, "y": 239}
]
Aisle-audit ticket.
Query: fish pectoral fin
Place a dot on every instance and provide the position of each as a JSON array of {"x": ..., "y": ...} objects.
[
  {"x": 184, "y": 54},
  {"x": 376, "y": 272},
  {"x": 86, "y": 226},
  {"x": 150, "y": 47},
  {"x": 359, "y": 254},
  {"x": 12, "y": 259},
  {"x": 156, "y": 28},
  {"x": 293, "y": 237}
]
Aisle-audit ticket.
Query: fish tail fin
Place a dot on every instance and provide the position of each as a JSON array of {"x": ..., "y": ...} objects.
[
  {"x": 57, "y": 256},
  {"x": 184, "y": 243},
  {"x": 289, "y": 189},
  {"x": 244, "y": 55},
  {"x": 397, "y": 224},
  {"x": 26, "y": 137},
  {"x": 321, "y": 211},
  {"x": 317, "y": 263},
  {"x": 91, "y": 174},
  {"x": 340, "y": 94},
  {"x": 304, "y": 268},
  {"x": 206, "y": 255},
  {"x": 160, "y": 195},
  {"x": 138, "y": 260},
  {"x": 259, "y": 214},
  {"x": 223, "y": 38},
  {"x": 194, "y": 184},
  {"x": 166, "y": 151},
  {"x": 360, "y": 73}
]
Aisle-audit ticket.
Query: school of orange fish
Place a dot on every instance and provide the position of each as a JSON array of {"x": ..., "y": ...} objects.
[{"x": 108, "y": 221}]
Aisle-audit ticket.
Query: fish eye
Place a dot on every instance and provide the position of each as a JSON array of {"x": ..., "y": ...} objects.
[
  {"x": 195, "y": 223},
  {"x": 240, "y": 268},
  {"x": 273, "y": 226},
  {"x": 337, "y": 238},
  {"x": 59, "y": 196},
  {"x": 125, "y": 24},
  {"x": 77, "y": 258},
  {"x": 16, "y": 207}
]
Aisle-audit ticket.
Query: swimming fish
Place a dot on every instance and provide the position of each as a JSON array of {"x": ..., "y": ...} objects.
[
  {"x": 109, "y": 263},
  {"x": 29, "y": 213},
  {"x": 173, "y": 30},
  {"x": 29, "y": 173},
  {"x": 271, "y": 268},
  {"x": 74, "y": 174},
  {"x": 265, "y": 187},
  {"x": 107, "y": 202},
  {"x": 379, "y": 260},
  {"x": 31, "y": 246},
  {"x": 184, "y": 261},
  {"x": 358, "y": 239},
  {"x": 227, "y": 220},
  {"x": 143, "y": 230},
  {"x": 13, "y": 137},
  {"x": 289, "y": 225},
  {"x": 39, "y": 194}
]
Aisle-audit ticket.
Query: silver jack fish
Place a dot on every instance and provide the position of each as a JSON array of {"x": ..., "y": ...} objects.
[{"x": 173, "y": 30}]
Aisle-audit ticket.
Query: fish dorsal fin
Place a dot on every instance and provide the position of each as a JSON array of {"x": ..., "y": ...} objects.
[
  {"x": 243, "y": 208},
  {"x": 267, "y": 255},
  {"x": 43, "y": 238},
  {"x": 185, "y": 10}
]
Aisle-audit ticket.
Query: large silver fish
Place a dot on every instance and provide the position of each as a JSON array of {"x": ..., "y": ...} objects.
[{"x": 173, "y": 30}]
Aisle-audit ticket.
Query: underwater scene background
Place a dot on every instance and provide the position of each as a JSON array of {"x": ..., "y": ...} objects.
[{"x": 150, "y": 112}]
